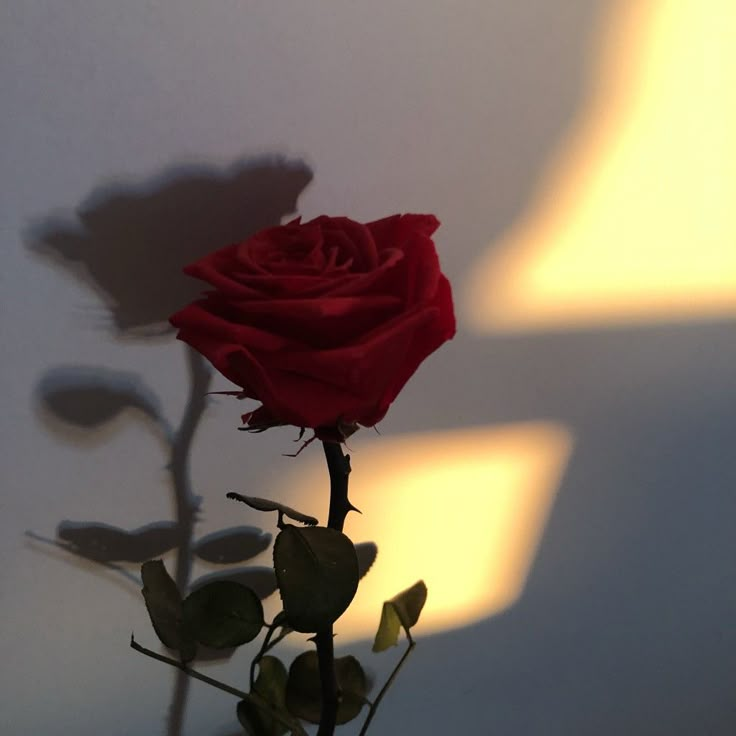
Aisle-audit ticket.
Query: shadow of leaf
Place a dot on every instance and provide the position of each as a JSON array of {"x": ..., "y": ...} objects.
[
  {"x": 367, "y": 553},
  {"x": 232, "y": 545},
  {"x": 128, "y": 243},
  {"x": 89, "y": 396},
  {"x": 106, "y": 543},
  {"x": 122, "y": 577}
]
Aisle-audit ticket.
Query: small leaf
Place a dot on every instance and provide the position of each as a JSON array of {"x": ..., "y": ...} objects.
[
  {"x": 163, "y": 602},
  {"x": 367, "y": 553},
  {"x": 353, "y": 686},
  {"x": 271, "y": 681},
  {"x": 304, "y": 688},
  {"x": 264, "y": 504},
  {"x": 261, "y": 580},
  {"x": 317, "y": 572},
  {"x": 223, "y": 614},
  {"x": 229, "y": 546},
  {"x": 409, "y": 604},
  {"x": 401, "y": 611},
  {"x": 270, "y": 686},
  {"x": 164, "y": 605},
  {"x": 388, "y": 630}
]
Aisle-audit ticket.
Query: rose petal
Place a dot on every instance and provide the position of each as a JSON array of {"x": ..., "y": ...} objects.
[
  {"x": 391, "y": 231},
  {"x": 320, "y": 322}
]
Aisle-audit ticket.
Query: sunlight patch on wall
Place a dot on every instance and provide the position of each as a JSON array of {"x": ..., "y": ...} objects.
[
  {"x": 634, "y": 220},
  {"x": 464, "y": 510}
]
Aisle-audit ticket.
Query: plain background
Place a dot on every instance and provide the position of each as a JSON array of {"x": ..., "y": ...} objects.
[{"x": 626, "y": 624}]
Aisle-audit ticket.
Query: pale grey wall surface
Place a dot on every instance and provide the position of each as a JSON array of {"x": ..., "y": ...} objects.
[{"x": 129, "y": 128}]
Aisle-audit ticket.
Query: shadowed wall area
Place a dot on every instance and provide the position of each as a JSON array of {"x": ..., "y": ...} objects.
[{"x": 129, "y": 241}]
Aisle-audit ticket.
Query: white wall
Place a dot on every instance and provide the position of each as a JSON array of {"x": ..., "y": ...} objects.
[{"x": 169, "y": 123}]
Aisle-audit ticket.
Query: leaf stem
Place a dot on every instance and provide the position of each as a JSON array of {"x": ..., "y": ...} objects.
[
  {"x": 266, "y": 646},
  {"x": 374, "y": 705},
  {"x": 338, "y": 467},
  {"x": 188, "y": 670},
  {"x": 293, "y": 726},
  {"x": 282, "y": 635}
]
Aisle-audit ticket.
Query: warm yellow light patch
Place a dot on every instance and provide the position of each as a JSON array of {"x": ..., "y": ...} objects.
[
  {"x": 635, "y": 219},
  {"x": 463, "y": 510}
]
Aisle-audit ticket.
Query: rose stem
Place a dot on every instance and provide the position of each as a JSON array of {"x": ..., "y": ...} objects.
[
  {"x": 374, "y": 705},
  {"x": 338, "y": 466}
]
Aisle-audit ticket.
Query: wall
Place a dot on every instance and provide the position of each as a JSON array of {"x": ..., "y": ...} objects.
[{"x": 137, "y": 135}]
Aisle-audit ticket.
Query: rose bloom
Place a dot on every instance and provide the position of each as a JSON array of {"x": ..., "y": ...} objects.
[{"x": 322, "y": 322}]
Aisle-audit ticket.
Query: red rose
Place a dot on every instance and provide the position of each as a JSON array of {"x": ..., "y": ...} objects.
[{"x": 322, "y": 322}]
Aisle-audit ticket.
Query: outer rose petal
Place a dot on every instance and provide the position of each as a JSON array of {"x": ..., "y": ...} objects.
[
  {"x": 317, "y": 388},
  {"x": 426, "y": 341},
  {"x": 323, "y": 322},
  {"x": 396, "y": 228}
]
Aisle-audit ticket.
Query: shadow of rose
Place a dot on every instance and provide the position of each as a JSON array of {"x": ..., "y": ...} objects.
[{"x": 128, "y": 242}]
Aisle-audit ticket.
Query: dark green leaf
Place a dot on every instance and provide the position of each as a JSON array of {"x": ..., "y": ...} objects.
[
  {"x": 261, "y": 580},
  {"x": 402, "y": 610},
  {"x": 164, "y": 605},
  {"x": 270, "y": 686},
  {"x": 223, "y": 614},
  {"x": 317, "y": 572},
  {"x": 271, "y": 681},
  {"x": 304, "y": 689},
  {"x": 353, "y": 686},
  {"x": 265, "y": 504}
]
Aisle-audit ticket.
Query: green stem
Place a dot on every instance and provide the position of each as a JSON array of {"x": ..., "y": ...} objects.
[
  {"x": 374, "y": 705},
  {"x": 259, "y": 656},
  {"x": 338, "y": 466},
  {"x": 328, "y": 682},
  {"x": 293, "y": 726},
  {"x": 188, "y": 670}
]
